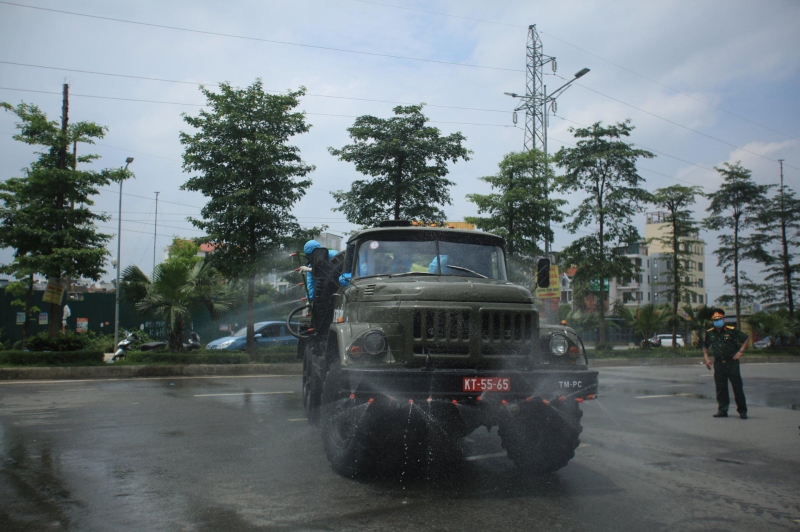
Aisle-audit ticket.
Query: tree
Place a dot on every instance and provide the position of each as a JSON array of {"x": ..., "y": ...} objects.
[
  {"x": 174, "y": 292},
  {"x": 22, "y": 290},
  {"x": 408, "y": 163},
  {"x": 602, "y": 166},
  {"x": 46, "y": 216},
  {"x": 734, "y": 209},
  {"x": 251, "y": 176},
  {"x": 521, "y": 210},
  {"x": 185, "y": 251},
  {"x": 649, "y": 320},
  {"x": 679, "y": 238},
  {"x": 775, "y": 244}
]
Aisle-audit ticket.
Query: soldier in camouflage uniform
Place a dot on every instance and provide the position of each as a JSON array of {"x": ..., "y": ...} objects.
[{"x": 727, "y": 344}]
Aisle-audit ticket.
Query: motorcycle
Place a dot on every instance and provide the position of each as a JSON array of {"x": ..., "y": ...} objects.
[
  {"x": 124, "y": 346},
  {"x": 192, "y": 343}
]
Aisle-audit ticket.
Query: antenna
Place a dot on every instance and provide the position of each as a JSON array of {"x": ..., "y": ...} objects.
[{"x": 155, "y": 234}]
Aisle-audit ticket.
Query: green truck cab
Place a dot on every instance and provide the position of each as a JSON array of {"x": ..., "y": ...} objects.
[{"x": 415, "y": 338}]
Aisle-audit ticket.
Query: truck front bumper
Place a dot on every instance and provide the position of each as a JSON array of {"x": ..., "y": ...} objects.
[{"x": 404, "y": 384}]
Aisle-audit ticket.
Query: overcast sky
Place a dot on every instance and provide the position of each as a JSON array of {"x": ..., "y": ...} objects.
[{"x": 703, "y": 82}]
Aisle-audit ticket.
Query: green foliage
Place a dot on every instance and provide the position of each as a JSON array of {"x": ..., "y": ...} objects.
[
  {"x": 174, "y": 292},
  {"x": 776, "y": 325},
  {"x": 734, "y": 208},
  {"x": 205, "y": 357},
  {"x": 30, "y": 358},
  {"x": 184, "y": 251},
  {"x": 649, "y": 320},
  {"x": 68, "y": 341},
  {"x": 521, "y": 209},
  {"x": 407, "y": 161},
  {"x": 251, "y": 176},
  {"x": 775, "y": 244},
  {"x": 603, "y": 167},
  {"x": 46, "y": 216},
  {"x": 274, "y": 355}
]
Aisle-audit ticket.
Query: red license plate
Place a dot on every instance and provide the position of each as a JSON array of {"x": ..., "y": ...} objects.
[{"x": 486, "y": 384}]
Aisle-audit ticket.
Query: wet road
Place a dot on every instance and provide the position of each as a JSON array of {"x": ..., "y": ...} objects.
[{"x": 235, "y": 454}]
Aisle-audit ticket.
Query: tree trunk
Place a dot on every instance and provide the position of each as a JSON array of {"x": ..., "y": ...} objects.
[
  {"x": 398, "y": 196},
  {"x": 787, "y": 268},
  {"x": 675, "y": 282},
  {"x": 601, "y": 308},
  {"x": 26, "y": 327},
  {"x": 251, "y": 317},
  {"x": 175, "y": 338},
  {"x": 54, "y": 320},
  {"x": 736, "y": 272}
]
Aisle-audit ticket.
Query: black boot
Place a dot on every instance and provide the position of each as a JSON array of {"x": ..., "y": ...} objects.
[
  {"x": 720, "y": 413},
  {"x": 743, "y": 415}
]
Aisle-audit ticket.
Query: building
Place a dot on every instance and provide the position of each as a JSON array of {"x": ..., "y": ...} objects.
[
  {"x": 633, "y": 291},
  {"x": 662, "y": 267}
]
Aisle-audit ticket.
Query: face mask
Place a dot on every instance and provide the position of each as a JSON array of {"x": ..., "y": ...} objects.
[{"x": 718, "y": 324}]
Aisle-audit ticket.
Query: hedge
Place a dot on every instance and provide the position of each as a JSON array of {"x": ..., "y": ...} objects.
[
  {"x": 33, "y": 358},
  {"x": 206, "y": 357}
]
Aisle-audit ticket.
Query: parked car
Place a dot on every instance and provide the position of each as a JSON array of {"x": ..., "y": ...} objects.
[
  {"x": 763, "y": 343},
  {"x": 654, "y": 341},
  {"x": 666, "y": 340},
  {"x": 268, "y": 334}
]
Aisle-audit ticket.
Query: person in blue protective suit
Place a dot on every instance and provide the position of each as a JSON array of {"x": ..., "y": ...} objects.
[
  {"x": 311, "y": 283},
  {"x": 433, "y": 267}
]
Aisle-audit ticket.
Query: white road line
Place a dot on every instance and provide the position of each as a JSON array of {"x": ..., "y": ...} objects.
[
  {"x": 295, "y": 420},
  {"x": 486, "y": 456},
  {"x": 241, "y": 393},
  {"x": 668, "y": 395},
  {"x": 134, "y": 379},
  {"x": 675, "y": 385}
]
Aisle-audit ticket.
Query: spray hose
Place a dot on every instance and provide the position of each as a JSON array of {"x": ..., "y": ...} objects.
[{"x": 298, "y": 334}]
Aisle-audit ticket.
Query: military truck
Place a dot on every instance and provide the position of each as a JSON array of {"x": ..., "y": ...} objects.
[{"x": 415, "y": 338}]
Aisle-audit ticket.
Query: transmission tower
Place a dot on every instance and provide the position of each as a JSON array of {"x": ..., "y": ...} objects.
[{"x": 535, "y": 98}]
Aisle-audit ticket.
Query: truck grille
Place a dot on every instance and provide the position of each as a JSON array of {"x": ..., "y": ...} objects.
[{"x": 446, "y": 332}]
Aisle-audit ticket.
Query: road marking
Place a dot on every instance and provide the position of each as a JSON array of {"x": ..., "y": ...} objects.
[
  {"x": 675, "y": 385},
  {"x": 134, "y": 379},
  {"x": 241, "y": 393},
  {"x": 668, "y": 395},
  {"x": 295, "y": 420},
  {"x": 486, "y": 456}
]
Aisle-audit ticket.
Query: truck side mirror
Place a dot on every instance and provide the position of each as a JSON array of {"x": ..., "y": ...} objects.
[
  {"x": 543, "y": 273},
  {"x": 319, "y": 259}
]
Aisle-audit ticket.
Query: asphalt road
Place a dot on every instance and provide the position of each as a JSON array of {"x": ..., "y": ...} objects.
[{"x": 235, "y": 454}]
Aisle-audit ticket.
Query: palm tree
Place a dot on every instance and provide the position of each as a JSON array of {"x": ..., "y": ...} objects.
[
  {"x": 776, "y": 325},
  {"x": 174, "y": 291},
  {"x": 649, "y": 320}
]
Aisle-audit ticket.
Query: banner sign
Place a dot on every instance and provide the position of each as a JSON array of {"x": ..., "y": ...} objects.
[
  {"x": 43, "y": 318},
  {"x": 54, "y": 292},
  {"x": 82, "y": 325},
  {"x": 20, "y": 318},
  {"x": 554, "y": 290}
]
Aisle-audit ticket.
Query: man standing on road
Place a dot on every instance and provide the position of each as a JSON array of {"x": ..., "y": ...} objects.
[{"x": 727, "y": 344}]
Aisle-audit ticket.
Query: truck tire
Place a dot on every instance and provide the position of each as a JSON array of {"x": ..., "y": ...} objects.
[
  {"x": 312, "y": 386},
  {"x": 542, "y": 438}
]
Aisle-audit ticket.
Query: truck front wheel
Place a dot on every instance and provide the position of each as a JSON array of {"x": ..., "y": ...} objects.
[{"x": 542, "y": 438}]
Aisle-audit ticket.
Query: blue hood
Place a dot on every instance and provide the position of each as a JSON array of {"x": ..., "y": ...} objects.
[{"x": 310, "y": 246}]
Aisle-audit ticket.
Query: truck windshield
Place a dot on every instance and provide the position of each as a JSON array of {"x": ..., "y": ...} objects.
[{"x": 407, "y": 257}]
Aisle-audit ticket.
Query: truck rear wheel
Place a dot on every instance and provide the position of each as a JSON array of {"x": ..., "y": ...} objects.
[{"x": 542, "y": 438}]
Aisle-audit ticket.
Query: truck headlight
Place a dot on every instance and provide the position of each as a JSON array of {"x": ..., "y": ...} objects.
[
  {"x": 374, "y": 342},
  {"x": 558, "y": 345}
]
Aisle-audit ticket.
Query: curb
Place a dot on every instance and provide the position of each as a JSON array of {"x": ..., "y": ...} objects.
[
  {"x": 690, "y": 361},
  {"x": 227, "y": 370},
  {"x": 126, "y": 372}
]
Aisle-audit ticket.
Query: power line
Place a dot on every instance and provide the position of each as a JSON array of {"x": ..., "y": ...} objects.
[
  {"x": 202, "y": 105},
  {"x": 626, "y": 69},
  {"x": 259, "y": 39},
  {"x": 93, "y": 72}
]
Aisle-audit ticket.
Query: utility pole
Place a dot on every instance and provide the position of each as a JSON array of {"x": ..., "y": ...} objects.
[{"x": 155, "y": 234}]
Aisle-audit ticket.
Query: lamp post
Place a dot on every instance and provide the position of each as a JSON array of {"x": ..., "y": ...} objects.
[
  {"x": 128, "y": 161},
  {"x": 546, "y": 102}
]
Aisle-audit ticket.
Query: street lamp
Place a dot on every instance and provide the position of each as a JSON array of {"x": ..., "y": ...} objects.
[
  {"x": 547, "y": 101},
  {"x": 128, "y": 161}
]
